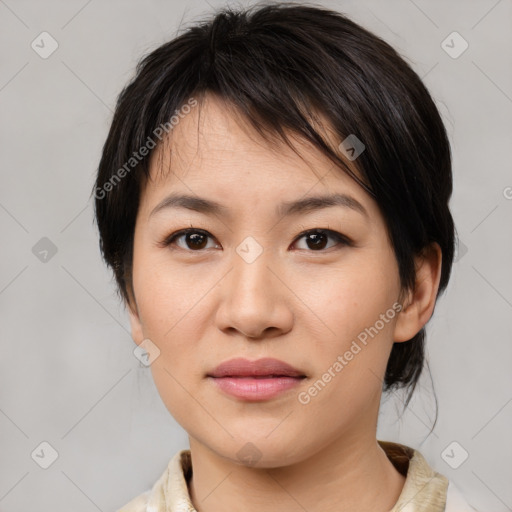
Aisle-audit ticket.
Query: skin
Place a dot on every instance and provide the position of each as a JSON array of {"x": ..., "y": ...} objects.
[{"x": 295, "y": 302}]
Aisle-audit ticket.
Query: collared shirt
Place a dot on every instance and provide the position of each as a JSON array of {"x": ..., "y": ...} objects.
[{"x": 425, "y": 490}]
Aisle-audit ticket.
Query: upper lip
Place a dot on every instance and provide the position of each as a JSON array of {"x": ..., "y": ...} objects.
[{"x": 240, "y": 367}]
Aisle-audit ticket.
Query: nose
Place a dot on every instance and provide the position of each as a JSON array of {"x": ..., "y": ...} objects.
[{"x": 255, "y": 300}]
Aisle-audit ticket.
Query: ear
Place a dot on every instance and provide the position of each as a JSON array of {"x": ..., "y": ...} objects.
[
  {"x": 135, "y": 322},
  {"x": 419, "y": 303}
]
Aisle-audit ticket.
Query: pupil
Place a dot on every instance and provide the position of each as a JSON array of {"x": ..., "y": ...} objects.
[
  {"x": 196, "y": 239},
  {"x": 315, "y": 238}
]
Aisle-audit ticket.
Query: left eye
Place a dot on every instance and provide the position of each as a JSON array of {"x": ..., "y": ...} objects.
[{"x": 316, "y": 239}]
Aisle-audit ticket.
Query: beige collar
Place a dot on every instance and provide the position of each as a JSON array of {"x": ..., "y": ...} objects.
[{"x": 424, "y": 489}]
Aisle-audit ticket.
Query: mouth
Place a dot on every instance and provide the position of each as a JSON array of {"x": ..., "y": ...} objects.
[{"x": 259, "y": 380}]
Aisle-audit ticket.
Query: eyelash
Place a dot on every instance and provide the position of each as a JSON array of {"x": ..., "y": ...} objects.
[{"x": 341, "y": 239}]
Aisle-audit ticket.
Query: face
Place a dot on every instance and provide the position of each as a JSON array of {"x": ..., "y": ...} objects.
[{"x": 316, "y": 288}]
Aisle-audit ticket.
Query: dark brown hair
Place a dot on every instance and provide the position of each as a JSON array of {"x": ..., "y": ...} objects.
[{"x": 279, "y": 66}]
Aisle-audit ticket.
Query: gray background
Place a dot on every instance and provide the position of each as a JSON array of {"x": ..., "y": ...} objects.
[{"x": 68, "y": 375}]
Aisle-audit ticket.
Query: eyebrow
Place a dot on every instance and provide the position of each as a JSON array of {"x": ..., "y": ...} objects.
[{"x": 285, "y": 209}]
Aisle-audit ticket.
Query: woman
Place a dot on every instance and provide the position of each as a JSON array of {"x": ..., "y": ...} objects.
[{"x": 273, "y": 200}]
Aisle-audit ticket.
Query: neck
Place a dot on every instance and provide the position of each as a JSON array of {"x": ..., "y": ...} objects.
[{"x": 353, "y": 473}]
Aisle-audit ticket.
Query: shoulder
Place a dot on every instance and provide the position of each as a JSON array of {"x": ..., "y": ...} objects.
[
  {"x": 170, "y": 488},
  {"x": 424, "y": 487},
  {"x": 138, "y": 504},
  {"x": 455, "y": 501}
]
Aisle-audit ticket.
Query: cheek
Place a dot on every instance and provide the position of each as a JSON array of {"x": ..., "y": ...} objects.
[
  {"x": 166, "y": 297},
  {"x": 173, "y": 311},
  {"x": 354, "y": 319},
  {"x": 345, "y": 301},
  {"x": 349, "y": 365},
  {"x": 177, "y": 389}
]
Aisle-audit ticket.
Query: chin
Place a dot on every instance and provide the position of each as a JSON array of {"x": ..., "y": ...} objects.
[{"x": 262, "y": 452}]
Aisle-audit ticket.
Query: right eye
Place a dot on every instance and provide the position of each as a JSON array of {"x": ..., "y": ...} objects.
[{"x": 194, "y": 239}]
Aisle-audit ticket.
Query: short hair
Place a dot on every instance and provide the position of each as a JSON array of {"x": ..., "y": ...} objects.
[{"x": 279, "y": 66}]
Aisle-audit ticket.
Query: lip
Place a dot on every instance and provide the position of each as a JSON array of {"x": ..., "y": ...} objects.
[
  {"x": 258, "y": 380},
  {"x": 240, "y": 367}
]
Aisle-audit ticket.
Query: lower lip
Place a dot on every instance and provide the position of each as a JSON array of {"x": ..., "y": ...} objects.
[{"x": 248, "y": 388}]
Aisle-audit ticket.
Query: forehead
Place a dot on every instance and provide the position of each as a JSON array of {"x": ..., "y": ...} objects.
[{"x": 212, "y": 151}]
